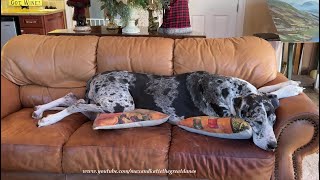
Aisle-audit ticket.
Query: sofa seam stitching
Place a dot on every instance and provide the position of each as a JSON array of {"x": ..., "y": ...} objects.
[{"x": 309, "y": 120}]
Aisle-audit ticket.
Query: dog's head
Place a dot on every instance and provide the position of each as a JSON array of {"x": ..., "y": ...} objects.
[{"x": 259, "y": 112}]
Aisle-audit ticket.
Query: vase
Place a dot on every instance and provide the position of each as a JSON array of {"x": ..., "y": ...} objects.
[
  {"x": 111, "y": 23},
  {"x": 131, "y": 27}
]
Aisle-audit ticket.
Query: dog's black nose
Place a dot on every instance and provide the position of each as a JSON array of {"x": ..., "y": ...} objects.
[{"x": 272, "y": 145}]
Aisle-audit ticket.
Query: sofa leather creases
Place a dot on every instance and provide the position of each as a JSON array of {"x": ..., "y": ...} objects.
[
  {"x": 227, "y": 56},
  {"x": 12, "y": 104},
  {"x": 25, "y": 147},
  {"x": 205, "y": 154},
  {"x": 144, "y": 55},
  {"x": 50, "y": 61},
  {"x": 134, "y": 148},
  {"x": 33, "y": 95},
  {"x": 305, "y": 133}
]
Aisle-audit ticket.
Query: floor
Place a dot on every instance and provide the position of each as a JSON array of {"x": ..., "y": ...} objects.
[
  {"x": 310, "y": 164},
  {"x": 313, "y": 95}
]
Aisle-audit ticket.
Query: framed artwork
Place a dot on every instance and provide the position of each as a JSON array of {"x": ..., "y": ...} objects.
[{"x": 296, "y": 20}]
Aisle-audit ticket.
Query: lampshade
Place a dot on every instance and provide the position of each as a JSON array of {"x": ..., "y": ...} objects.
[{"x": 296, "y": 20}]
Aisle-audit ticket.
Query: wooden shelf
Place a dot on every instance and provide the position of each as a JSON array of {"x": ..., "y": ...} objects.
[{"x": 103, "y": 31}]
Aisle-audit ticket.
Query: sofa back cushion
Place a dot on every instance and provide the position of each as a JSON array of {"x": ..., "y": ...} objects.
[
  {"x": 32, "y": 95},
  {"x": 49, "y": 67},
  {"x": 136, "y": 54},
  {"x": 248, "y": 58},
  {"x": 51, "y": 61}
]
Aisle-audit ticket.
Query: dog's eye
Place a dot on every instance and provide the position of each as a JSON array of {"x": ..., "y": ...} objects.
[{"x": 259, "y": 122}]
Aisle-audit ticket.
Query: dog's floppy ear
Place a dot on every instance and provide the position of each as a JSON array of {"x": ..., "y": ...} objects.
[
  {"x": 201, "y": 86},
  {"x": 274, "y": 100},
  {"x": 237, "y": 102}
]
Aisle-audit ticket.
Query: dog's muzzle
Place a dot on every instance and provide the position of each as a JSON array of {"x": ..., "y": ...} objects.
[{"x": 272, "y": 146}]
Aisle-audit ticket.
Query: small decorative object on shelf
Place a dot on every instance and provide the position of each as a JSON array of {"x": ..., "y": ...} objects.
[
  {"x": 111, "y": 24},
  {"x": 79, "y": 14},
  {"x": 127, "y": 9},
  {"x": 153, "y": 25},
  {"x": 176, "y": 19},
  {"x": 131, "y": 27}
]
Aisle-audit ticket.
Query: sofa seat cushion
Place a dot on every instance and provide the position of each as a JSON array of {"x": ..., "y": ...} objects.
[
  {"x": 216, "y": 158},
  {"x": 25, "y": 147},
  {"x": 120, "y": 149}
]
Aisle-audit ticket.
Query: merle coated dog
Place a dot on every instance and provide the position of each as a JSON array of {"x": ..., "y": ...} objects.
[{"x": 180, "y": 96}]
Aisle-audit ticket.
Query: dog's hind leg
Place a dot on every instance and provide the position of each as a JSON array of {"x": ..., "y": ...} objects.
[
  {"x": 67, "y": 100},
  {"x": 89, "y": 115},
  {"x": 79, "y": 106},
  {"x": 269, "y": 89}
]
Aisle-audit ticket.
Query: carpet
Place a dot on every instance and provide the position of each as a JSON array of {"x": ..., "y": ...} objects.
[{"x": 310, "y": 167}]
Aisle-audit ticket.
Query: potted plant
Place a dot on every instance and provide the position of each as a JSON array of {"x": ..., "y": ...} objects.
[{"x": 127, "y": 9}]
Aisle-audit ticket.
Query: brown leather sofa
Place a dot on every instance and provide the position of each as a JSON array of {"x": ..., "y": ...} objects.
[{"x": 38, "y": 69}]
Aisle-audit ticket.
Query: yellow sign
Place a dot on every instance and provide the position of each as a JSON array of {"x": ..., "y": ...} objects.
[{"x": 25, "y": 2}]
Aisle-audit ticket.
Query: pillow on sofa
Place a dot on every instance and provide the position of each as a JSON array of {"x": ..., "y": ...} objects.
[
  {"x": 135, "y": 118},
  {"x": 230, "y": 128}
]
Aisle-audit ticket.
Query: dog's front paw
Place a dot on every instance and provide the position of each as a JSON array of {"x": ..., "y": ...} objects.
[
  {"x": 37, "y": 114},
  {"x": 48, "y": 120}
]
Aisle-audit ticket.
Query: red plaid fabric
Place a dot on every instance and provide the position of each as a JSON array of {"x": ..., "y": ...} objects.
[{"x": 177, "y": 16}]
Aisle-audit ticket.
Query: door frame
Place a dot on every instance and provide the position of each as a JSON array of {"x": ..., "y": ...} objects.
[{"x": 240, "y": 17}]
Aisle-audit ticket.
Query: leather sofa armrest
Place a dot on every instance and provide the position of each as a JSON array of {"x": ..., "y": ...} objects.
[
  {"x": 10, "y": 98},
  {"x": 297, "y": 132}
]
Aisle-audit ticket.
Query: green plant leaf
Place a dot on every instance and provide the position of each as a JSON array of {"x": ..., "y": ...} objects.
[{"x": 114, "y": 8}]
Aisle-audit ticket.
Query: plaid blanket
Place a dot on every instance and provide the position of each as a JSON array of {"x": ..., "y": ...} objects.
[{"x": 177, "y": 17}]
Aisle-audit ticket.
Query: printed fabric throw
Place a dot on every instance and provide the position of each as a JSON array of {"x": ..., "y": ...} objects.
[
  {"x": 230, "y": 128},
  {"x": 135, "y": 118}
]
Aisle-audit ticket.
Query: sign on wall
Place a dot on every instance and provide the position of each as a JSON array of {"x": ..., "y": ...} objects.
[
  {"x": 25, "y": 2},
  {"x": 296, "y": 20}
]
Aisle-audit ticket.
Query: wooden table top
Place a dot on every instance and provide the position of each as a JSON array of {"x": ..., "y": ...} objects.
[{"x": 103, "y": 31}]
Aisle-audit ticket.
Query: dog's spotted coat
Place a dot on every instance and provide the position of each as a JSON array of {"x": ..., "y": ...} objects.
[
  {"x": 110, "y": 91},
  {"x": 180, "y": 96}
]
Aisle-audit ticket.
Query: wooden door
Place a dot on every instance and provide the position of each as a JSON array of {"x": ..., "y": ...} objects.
[{"x": 214, "y": 18}]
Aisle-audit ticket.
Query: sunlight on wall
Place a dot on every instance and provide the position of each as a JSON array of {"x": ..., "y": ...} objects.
[{"x": 257, "y": 18}]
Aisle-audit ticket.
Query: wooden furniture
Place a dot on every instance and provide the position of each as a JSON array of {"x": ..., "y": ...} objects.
[
  {"x": 103, "y": 31},
  {"x": 41, "y": 24}
]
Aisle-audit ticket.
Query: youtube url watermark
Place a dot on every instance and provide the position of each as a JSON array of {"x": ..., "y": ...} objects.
[{"x": 132, "y": 171}]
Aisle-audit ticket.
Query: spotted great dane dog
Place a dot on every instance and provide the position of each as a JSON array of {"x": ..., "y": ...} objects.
[{"x": 180, "y": 96}]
